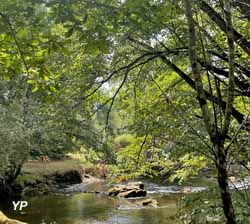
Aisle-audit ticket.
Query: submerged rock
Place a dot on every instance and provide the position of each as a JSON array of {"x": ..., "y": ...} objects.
[
  {"x": 148, "y": 202},
  {"x": 5, "y": 220},
  {"x": 131, "y": 190}
]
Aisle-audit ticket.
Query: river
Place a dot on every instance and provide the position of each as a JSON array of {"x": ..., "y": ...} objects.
[{"x": 89, "y": 208}]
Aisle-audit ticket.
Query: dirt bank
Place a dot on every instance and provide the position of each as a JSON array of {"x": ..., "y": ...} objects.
[{"x": 39, "y": 178}]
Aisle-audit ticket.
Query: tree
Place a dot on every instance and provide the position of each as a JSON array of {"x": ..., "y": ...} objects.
[
  {"x": 217, "y": 105},
  {"x": 36, "y": 91},
  {"x": 89, "y": 58},
  {"x": 217, "y": 135},
  {"x": 15, "y": 147}
]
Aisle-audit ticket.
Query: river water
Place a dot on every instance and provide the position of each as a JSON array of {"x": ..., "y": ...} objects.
[{"x": 89, "y": 208}]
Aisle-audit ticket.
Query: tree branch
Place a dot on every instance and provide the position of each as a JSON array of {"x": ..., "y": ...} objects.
[{"x": 237, "y": 37}]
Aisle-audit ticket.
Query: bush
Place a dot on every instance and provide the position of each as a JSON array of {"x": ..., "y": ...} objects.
[
  {"x": 124, "y": 140},
  {"x": 14, "y": 145},
  {"x": 206, "y": 208}
]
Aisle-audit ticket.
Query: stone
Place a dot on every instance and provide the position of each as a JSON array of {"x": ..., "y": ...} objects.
[
  {"x": 5, "y": 220},
  {"x": 132, "y": 193},
  {"x": 148, "y": 202},
  {"x": 132, "y": 189},
  {"x": 116, "y": 190},
  {"x": 232, "y": 179}
]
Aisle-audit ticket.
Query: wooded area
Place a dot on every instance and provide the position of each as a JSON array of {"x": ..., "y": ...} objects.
[{"x": 151, "y": 88}]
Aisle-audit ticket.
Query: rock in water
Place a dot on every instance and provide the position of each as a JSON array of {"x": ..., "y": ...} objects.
[
  {"x": 5, "y": 220},
  {"x": 232, "y": 179},
  {"x": 132, "y": 193},
  {"x": 148, "y": 202},
  {"x": 131, "y": 190}
]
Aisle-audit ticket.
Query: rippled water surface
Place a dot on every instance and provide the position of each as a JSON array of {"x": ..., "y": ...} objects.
[{"x": 84, "y": 208}]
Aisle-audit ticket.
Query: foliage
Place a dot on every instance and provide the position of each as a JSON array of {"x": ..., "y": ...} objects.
[
  {"x": 122, "y": 141},
  {"x": 121, "y": 79},
  {"x": 138, "y": 159},
  {"x": 15, "y": 142},
  {"x": 190, "y": 166},
  {"x": 205, "y": 207},
  {"x": 86, "y": 156}
]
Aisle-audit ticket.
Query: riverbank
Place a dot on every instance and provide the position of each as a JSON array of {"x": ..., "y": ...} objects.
[
  {"x": 43, "y": 178},
  {"x": 76, "y": 191}
]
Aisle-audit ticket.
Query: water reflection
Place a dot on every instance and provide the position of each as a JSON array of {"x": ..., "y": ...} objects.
[
  {"x": 94, "y": 209},
  {"x": 85, "y": 208}
]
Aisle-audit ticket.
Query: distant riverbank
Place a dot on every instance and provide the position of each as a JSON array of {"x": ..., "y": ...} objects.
[{"x": 43, "y": 178}]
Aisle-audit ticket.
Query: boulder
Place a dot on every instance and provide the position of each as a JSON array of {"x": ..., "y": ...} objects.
[
  {"x": 114, "y": 191},
  {"x": 148, "y": 202},
  {"x": 132, "y": 189},
  {"x": 5, "y": 220},
  {"x": 132, "y": 193}
]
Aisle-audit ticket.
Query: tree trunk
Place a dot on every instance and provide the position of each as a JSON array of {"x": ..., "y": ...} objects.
[
  {"x": 8, "y": 188},
  {"x": 222, "y": 179},
  {"x": 217, "y": 136}
]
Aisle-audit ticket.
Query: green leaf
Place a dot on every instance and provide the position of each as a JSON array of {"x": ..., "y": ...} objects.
[{"x": 35, "y": 89}]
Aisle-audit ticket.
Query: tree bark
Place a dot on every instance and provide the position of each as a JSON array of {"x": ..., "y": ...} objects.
[
  {"x": 222, "y": 179},
  {"x": 221, "y": 152},
  {"x": 217, "y": 136},
  {"x": 231, "y": 82},
  {"x": 201, "y": 96}
]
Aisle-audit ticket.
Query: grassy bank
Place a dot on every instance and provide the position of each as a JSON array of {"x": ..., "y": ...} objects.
[
  {"x": 41, "y": 177},
  {"x": 48, "y": 168}
]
